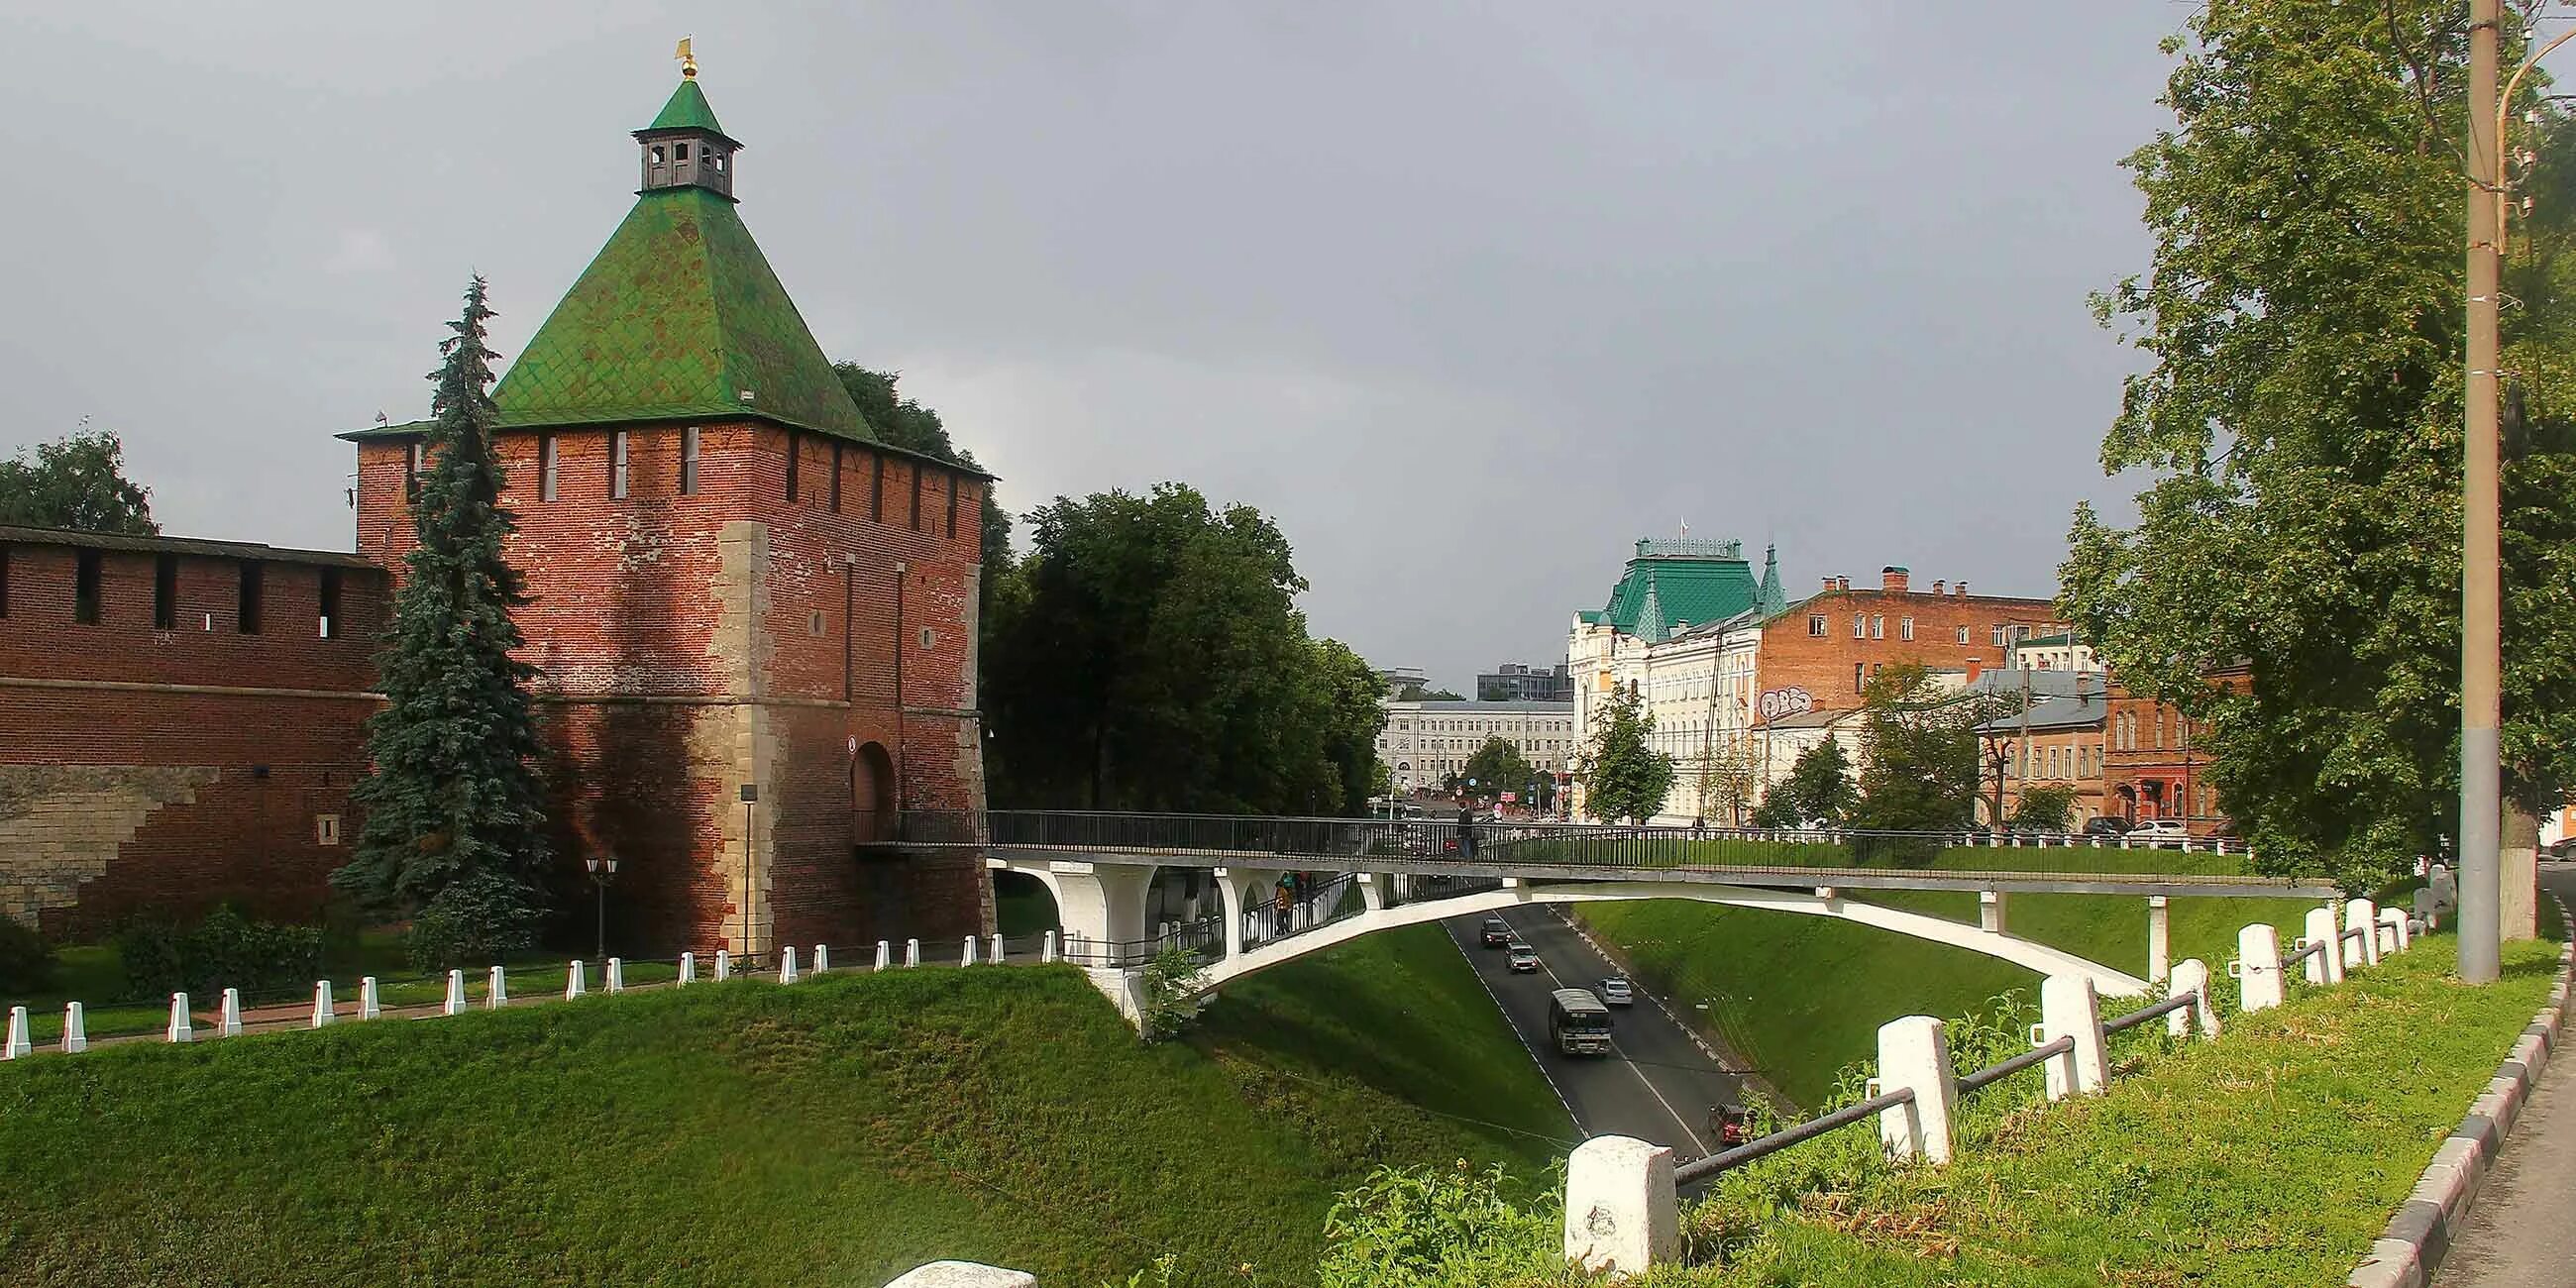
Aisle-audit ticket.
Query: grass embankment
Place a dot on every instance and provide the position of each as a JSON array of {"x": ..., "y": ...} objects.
[
  {"x": 1799, "y": 997},
  {"x": 834, "y": 1132},
  {"x": 2270, "y": 1157}
]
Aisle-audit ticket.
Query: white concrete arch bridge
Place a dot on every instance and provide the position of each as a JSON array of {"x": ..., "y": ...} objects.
[{"x": 1289, "y": 887}]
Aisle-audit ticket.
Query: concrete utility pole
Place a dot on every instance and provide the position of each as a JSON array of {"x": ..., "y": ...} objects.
[{"x": 2481, "y": 629}]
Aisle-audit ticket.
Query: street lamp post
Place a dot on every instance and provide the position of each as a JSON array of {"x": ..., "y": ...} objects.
[{"x": 602, "y": 871}]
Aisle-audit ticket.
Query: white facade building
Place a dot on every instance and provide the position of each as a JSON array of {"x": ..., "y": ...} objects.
[{"x": 1424, "y": 743}]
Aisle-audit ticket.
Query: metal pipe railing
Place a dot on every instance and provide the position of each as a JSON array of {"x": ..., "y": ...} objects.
[
  {"x": 1702, "y": 1169},
  {"x": 1995, "y": 1073},
  {"x": 2147, "y": 1014}
]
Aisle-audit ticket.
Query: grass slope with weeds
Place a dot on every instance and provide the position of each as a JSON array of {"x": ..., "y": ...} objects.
[{"x": 835, "y": 1132}]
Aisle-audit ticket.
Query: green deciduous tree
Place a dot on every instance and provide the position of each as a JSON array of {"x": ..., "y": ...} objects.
[
  {"x": 1920, "y": 768},
  {"x": 1417, "y": 693},
  {"x": 78, "y": 483},
  {"x": 2303, "y": 423},
  {"x": 2049, "y": 807},
  {"x": 1623, "y": 778},
  {"x": 454, "y": 815},
  {"x": 1818, "y": 790},
  {"x": 1148, "y": 654},
  {"x": 1499, "y": 767}
]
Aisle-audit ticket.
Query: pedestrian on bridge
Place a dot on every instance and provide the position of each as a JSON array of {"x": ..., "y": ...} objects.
[{"x": 1466, "y": 829}]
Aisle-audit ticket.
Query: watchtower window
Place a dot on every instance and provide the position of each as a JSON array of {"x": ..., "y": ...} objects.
[
  {"x": 253, "y": 582},
  {"x": 4, "y": 581},
  {"x": 165, "y": 592},
  {"x": 689, "y": 461},
  {"x": 617, "y": 464},
  {"x": 795, "y": 454},
  {"x": 679, "y": 151},
  {"x": 85, "y": 587},
  {"x": 836, "y": 476},
  {"x": 330, "y": 617},
  {"x": 658, "y": 158},
  {"x": 546, "y": 475}
]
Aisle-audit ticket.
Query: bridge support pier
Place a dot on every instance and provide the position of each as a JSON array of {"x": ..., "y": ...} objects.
[{"x": 2159, "y": 938}]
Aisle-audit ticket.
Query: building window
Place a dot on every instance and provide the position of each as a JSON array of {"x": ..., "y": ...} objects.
[
  {"x": 617, "y": 464},
  {"x": 1905, "y": 628},
  {"x": 546, "y": 467},
  {"x": 326, "y": 829},
  {"x": 876, "y": 489},
  {"x": 952, "y": 507},
  {"x": 330, "y": 616},
  {"x": 411, "y": 472},
  {"x": 1860, "y": 626},
  {"x": 1816, "y": 625},
  {"x": 1856, "y": 677},
  {"x": 85, "y": 587},
  {"x": 795, "y": 456},
  {"x": 1963, "y": 634},
  {"x": 4, "y": 581},
  {"x": 165, "y": 592},
  {"x": 836, "y": 476},
  {"x": 254, "y": 581},
  {"x": 916, "y": 497},
  {"x": 689, "y": 461},
  {"x": 1878, "y": 628},
  {"x": 1999, "y": 637}
]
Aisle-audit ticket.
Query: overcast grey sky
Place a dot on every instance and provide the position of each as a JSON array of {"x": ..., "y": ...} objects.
[{"x": 1467, "y": 296}]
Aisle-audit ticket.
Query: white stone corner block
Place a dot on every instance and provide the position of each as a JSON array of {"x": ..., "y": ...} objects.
[
  {"x": 2191, "y": 975},
  {"x": 688, "y": 969},
  {"x": 613, "y": 980},
  {"x": 2159, "y": 938},
  {"x": 1047, "y": 951},
  {"x": 228, "y": 1018},
  {"x": 370, "y": 1003},
  {"x": 787, "y": 964},
  {"x": 2070, "y": 1007},
  {"x": 1622, "y": 1214},
  {"x": 574, "y": 984},
  {"x": 724, "y": 965},
  {"x": 454, "y": 1003},
  {"x": 180, "y": 1029},
  {"x": 969, "y": 958},
  {"x": 911, "y": 952},
  {"x": 15, "y": 1046},
  {"x": 822, "y": 958},
  {"x": 2394, "y": 936},
  {"x": 995, "y": 956},
  {"x": 1914, "y": 1052},
  {"x": 496, "y": 989},
  {"x": 2361, "y": 949},
  {"x": 2258, "y": 967},
  {"x": 2326, "y": 967},
  {"x": 322, "y": 1003},
  {"x": 962, "y": 1274},
  {"x": 885, "y": 954},
  {"x": 75, "y": 1028}
]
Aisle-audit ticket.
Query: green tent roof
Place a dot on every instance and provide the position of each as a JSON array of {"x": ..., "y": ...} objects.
[
  {"x": 687, "y": 110},
  {"x": 1675, "y": 582}
]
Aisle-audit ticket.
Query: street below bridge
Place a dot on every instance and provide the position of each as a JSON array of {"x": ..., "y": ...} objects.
[{"x": 1657, "y": 1084}]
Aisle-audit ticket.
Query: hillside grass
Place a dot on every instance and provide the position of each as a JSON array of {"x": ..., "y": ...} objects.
[
  {"x": 838, "y": 1132},
  {"x": 1799, "y": 997},
  {"x": 2272, "y": 1156}
]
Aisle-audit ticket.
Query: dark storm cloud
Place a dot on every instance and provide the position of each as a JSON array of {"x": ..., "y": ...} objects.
[{"x": 1468, "y": 296}]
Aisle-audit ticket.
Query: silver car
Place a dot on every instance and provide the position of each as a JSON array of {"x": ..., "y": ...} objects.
[{"x": 1615, "y": 991}]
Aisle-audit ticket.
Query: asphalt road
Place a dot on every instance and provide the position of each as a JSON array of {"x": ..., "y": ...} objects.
[
  {"x": 1657, "y": 1084},
  {"x": 2519, "y": 1235}
]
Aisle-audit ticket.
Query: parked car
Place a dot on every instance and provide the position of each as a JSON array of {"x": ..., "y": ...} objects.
[
  {"x": 2161, "y": 829},
  {"x": 1498, "y": 932},
  {"x": 1615, "y": 991},
  {"x": 2107, "y": 825},
  {"x": 1522, "y": 958}
]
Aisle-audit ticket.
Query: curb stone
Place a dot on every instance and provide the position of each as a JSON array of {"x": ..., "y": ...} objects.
[{"x": 2411, "y": 1248}]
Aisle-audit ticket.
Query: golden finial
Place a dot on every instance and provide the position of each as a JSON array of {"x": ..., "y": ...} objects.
[{"x": 688, "y": 61}]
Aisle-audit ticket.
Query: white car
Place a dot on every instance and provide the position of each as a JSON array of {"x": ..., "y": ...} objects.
[{"x": 2161, "y": 829}]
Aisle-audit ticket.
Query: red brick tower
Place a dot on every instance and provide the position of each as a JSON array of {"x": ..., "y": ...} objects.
[{"x": 735, "y": 586}]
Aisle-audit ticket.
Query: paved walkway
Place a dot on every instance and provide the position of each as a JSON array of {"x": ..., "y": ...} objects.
[{"x": 2522, "y": 1233}]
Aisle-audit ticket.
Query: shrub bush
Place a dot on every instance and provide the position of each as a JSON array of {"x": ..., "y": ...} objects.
[
  {"x": 26, "y": 960},
  {"x": 473, "y": 923},
  {"x": 226, "y": 950}
]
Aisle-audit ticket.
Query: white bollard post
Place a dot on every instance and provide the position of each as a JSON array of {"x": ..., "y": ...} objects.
[
  {"x": 995, "y": 956},
  {"x": 15, "y": 1046},
  {"x": 614, "y": 979},
  {"x": 496, "y": 990},
  {"x": 2392, "y": 931},
  {"x": 822, "y": 958},
  {"x": 1990, "y": 911},
  {"x": 228, "y": 1015},
  {"x": 574, "y": 985},
  {"x": 724, "y": 965},
  {"x": 1914, "y": 1053},
  {"x": 688, "y": 968},
  {"x": 2325, "y": 966},
  {"x": 75, "y": 1028},
  {"x": 2257, "y": 967},
  {"x": 455, "y": 1003},
  {"x": 885, "y": 954},
  {"x": 1046, "y": 952},
  {"x": 2191, "y": 975},
  {"x": 2159, "y": 938},
  {"x": 322, "y": 1003},
  {"x": 2445, "y": 887},
  {"x": 369, "y": 1004},
  {"x": 2070, "y": 1008},
  {"x": 911, "y": 953},
  {"x": 787, "y": 964},
  {"x": 181, "y": 1028},
  {"x": 969, "y": 958},
  {"x": 2361, "y": 949},
  {"x": 2428, "y": 911},
  {"x": 1621, "y": 1213}
]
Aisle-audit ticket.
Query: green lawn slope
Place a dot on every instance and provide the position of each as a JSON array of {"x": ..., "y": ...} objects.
[
  {"x": 834, "y": 1132},
  {"x": 1799, "y": 997}
]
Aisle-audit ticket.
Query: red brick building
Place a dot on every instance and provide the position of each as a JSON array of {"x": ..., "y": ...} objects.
[
  {"x": 1830, "y": 644},
  {"x": 2155, "y": 762},
  {"x": 737, "y": 591}
]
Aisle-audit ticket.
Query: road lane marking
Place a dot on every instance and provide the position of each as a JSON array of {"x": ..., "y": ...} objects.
[
  {"x": 1515, "y": 1026},
  {"x": 1630, "y": 1065}
]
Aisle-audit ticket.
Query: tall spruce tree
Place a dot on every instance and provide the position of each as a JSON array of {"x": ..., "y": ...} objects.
[{"x": 454, "y": 810}]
